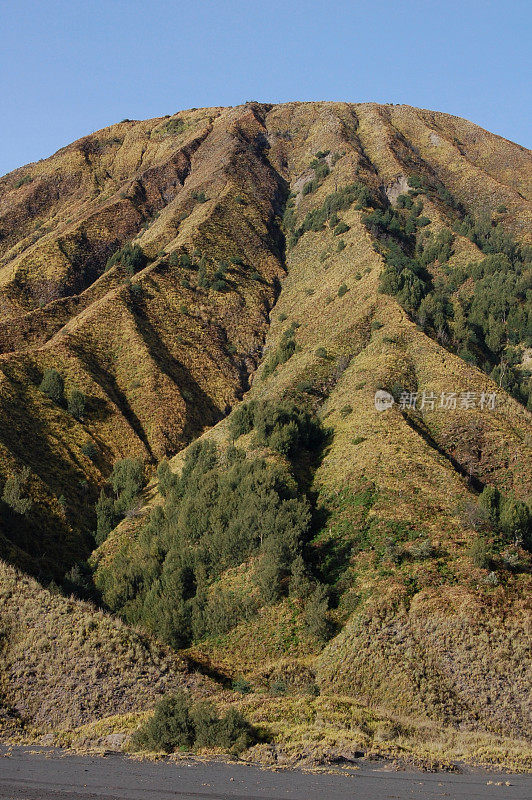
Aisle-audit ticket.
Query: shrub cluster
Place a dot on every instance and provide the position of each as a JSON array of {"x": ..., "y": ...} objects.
[
  {"x": 283, "y": 427},
  {"x": 53, "y": 386},
  {"x": 316, "y": 219},
  {"x": 482, "y": 326},
  {"x": 179, "y": 723},
  {"x": 285, "y": 350},
  {"x": 130, "y": 256}
]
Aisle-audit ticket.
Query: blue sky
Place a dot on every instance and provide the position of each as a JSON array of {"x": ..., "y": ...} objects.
[{"x": 69, "y": 68}]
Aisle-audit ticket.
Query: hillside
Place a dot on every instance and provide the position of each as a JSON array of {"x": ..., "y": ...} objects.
[{"x": 298, "y": 258}]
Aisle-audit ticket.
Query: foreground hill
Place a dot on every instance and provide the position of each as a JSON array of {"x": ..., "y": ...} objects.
[{"x": 302, "y": 257}]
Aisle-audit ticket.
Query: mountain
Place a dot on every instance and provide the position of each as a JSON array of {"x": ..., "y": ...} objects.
[{"x": 251, "y": 277}]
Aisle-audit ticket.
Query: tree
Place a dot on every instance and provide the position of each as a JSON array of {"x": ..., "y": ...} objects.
[
  {"x": 127, "y": 480},
  {"x": 490, "y": 501},
  {"x": 13, "y": 491},
  {"x": 316, "y": 614},
  {"x": 516, "y": 522},
  {"x": 480, "y": 552},
  {"x": 300, "y": 584},
  {"x": 165, "y": 477},
  {"x": 76, "y": 404},
  {"x": 241, "y": 421},
  {"x": 105, "y": 517},
  {"x": 130, "y": 256},
  {"x": 53, "y": 386}
]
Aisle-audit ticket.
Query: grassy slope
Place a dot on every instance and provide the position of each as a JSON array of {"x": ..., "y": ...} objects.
[{"x": 65, "y": 665}]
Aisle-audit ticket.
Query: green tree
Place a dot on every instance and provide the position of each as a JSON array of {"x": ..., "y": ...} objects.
[
  {"x": 105, "y": 517},
  {"x": 480, "y": 552},
  {"x": 300, "y": 585},
  {"x": 130, "y": 256},
  {"x": 53, "y": 386},
  {"x": 127, "y": 480},
  {"x": 165, "y": 477},
  {"x": 241, "y": 421},
  {"x": 516, "y": 522},
  {"x": 490, "y": 500},
  {"x": 316, "y": 614}
]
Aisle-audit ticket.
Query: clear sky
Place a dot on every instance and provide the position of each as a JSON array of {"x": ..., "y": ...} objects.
[{"x": 69, "y": 67}]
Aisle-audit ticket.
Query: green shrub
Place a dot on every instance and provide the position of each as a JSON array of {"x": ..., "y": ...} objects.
[
  {"x": 321, "y": 352},
  {"x": 221, "y": 511},
  {"x": 23, "y": 181},
  {"x": 516, "y": 522},
  {"x": 170, "y": 728},
  {"x": 14, "y": 489},
  {"x": 241, "y": 685},
  {"x": 337, "y": 201},
  {"x": 480, "y": 552},
  {"x": 76, "y": 404},
  {"x": 342, "y": 290},
  {"x": 90, "y": 450},
  {"x": 284, "y": 351},
  {"x": 285, "y": 427},
  {"x": 173, "y": 127},
  {"x": 340, "y": 246},
  {"x": 321, "y": 171},
  {"x": 53, "y": 386},
  {"x": 180, "y": 724},
  {"x": 300, "y": 584},
  {"x": 342, "y": 227}
]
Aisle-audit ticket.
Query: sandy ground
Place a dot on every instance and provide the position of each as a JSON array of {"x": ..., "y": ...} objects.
[{"x": 32, "y": 775}]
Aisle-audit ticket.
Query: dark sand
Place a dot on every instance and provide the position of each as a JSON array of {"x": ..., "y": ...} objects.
[{"x": 52, "y": 775}]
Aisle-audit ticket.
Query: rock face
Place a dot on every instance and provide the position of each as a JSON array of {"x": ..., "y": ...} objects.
[{"x": 164, "y": 350}]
